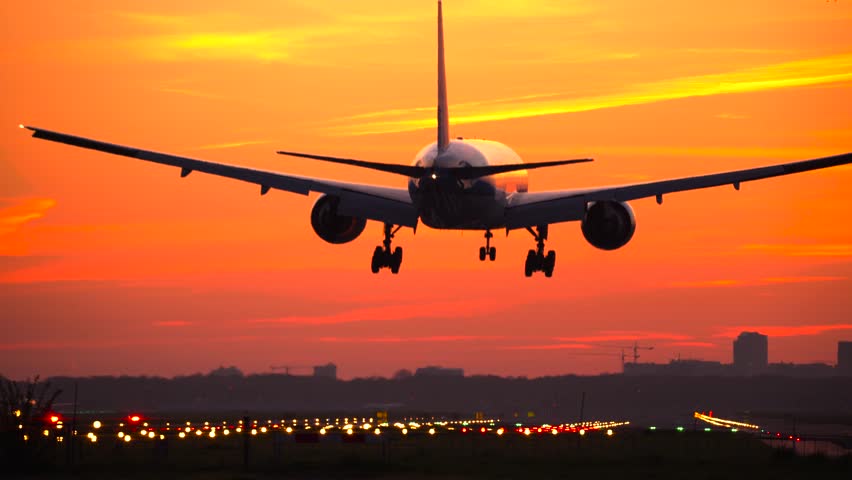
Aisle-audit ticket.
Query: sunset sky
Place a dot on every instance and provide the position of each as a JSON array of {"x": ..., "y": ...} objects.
[{"x": 110, "y": 265}]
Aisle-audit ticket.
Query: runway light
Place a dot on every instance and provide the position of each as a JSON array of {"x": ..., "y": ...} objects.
[
  {"x": 93, "y": 438},
  {"x": 127, "y": 439},
  {"x": 198, "y": 433},
  {"x": 431, "y": 431},
  {"x": 263, "y": 430},
  {"x": 582, "y": 432},
  {"x": 17, "y": 413},
  {"x": 134, "y": 418},
  {"x": 405, "y": 431},
  {"x": 212, "y": 433},
  {"x": 706, "y": 429},
  {"x": 254, "y": 431},
  {"x": 96, "y": 424},
  {"x": 54, "y": 419},
  {"x": 120, "y": 434},
  {"x": 226, "y": 432},
  {"x": 378, "y": 432},
  {"x": 289, "y": 430},
  {"x": 652, "y": 428},
  {"x": 143, "y": 432},
  {"x": 181, "y": 435},
  {"x": 679, "y": 429},
  {"x": 500, "y": 431},
  {"x": 322, "y": 431},
  {"x": 162, "y": 437},
  {"x": 151, "y": 434},
  {"x": 608, "y": 432}
]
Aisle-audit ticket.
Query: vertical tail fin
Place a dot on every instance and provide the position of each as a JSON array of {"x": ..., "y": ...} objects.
[{"x": 443, "y": 114}]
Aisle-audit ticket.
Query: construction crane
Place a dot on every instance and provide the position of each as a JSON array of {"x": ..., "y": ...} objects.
[
  {"x": 287, "y": 368},
  {"x": 635, "y": 347}
]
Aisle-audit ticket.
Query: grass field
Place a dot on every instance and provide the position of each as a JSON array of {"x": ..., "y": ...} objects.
[{"x": 627, "y": 454}]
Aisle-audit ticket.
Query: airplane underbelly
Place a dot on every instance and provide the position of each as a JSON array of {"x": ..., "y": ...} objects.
[{"x": 461, "y": 210}]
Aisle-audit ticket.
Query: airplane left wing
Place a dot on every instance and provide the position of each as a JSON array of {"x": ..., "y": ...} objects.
[
  {"x": 542, "y": 208},
  {"x": 383, "y": 204}
]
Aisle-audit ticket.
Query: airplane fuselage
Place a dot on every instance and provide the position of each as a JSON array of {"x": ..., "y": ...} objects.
[{"x": 445, "y": 202}]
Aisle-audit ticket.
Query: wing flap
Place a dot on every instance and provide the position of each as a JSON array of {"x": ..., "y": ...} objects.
[
  {"x": 383, "y": 204},
  {"x": 530, "y": 209}
]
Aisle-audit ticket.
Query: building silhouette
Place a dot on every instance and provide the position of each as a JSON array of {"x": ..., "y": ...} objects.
[
  {"x": 751, "y": 353},
  {"x": 328, "y": 370},
  {"x": 434, "y": 371},
  {"x": 844, "y": 358}
]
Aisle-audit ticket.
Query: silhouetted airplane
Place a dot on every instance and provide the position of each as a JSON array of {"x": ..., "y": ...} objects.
[{"x": 459, "y": 184}]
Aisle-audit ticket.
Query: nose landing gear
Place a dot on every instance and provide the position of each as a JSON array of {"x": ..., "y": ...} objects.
[
  {"x": 488, "y": 250},
  {"x": 383, "y": 257},
  {"x": 537, "y": 261}
]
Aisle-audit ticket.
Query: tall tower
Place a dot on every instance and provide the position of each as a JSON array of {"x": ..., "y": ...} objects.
[
  {"x": 751, "y": 353},
  {"x": 844, "y": 358}
]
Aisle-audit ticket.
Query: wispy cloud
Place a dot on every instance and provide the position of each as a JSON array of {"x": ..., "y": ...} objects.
[
  {"x": 191, "y": 93},
  {"x": 458, "y": 309},
  {"x": 624, "y": 336},
  {"x": 221, "y": 146},
  {"x": 694, "y": 344},
  {"x": 802, "y": 250},
  {"x": 426, "y": 339},
  {"x": 19, "y": 212},
  {"x": 731, "y": 116},
  {"x": 813, "y": 71},
  {"x": 785, "y": 330},
  {"x": 755, "y": 282},
  {"x": 172, "y": 323},
  {"x": 552, "y": 346}
]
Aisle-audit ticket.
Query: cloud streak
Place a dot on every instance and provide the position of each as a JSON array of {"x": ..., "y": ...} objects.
[
  {"x": 22, "y": 211},
  {"x": 785, "y": 330},
  {"x": 802, "y": 250},
  {"x": 755, "y": 283},
  {"x": 799, "y": 73},
  {"x": 458, "y": 309}
]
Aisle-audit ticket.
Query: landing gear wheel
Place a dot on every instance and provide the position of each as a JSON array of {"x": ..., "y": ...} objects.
[
  {"x": 378, "y": 260},
  {"x": 382, "y": 256},
  {"x": 530, "y": 265},
  {"x": 537, "y": 261},
  {"x": 396, "y": 260},
  {"x": 487, "y": 251},
  {"x": 549, "y": 263}
]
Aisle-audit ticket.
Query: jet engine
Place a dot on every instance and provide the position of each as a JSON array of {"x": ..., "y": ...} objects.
[
  {"x": 608, "y": 225},
  {"x": 330, "y": 226}
]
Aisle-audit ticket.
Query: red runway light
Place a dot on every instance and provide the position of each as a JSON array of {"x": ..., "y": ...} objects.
[
  {"x": 54, "y": 418},
  {"x": 134, "y": 418}
]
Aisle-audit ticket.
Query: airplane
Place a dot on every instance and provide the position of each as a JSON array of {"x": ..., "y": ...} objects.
[{"x": 457, "y": 184}]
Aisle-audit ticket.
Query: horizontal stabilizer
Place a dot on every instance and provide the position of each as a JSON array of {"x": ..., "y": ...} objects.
[{"x": 462, "y": 173}]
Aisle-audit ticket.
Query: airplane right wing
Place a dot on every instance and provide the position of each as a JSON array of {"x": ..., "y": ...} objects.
[
  {"x": 383, "y": 204},
  {"x": 543, "y": 208}
]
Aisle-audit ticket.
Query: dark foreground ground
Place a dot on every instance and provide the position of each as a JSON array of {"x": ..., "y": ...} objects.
[{"x": 628, "y": 454}]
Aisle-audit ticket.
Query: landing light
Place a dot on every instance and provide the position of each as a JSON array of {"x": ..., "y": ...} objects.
[{"x": 434, "y": 176}]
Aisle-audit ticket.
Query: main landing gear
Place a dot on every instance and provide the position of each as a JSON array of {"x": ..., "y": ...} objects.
[
  {"x": 488, "y": 250},
  {"x": 537, "y": 261},
  {"x": 382, "y": 255}
]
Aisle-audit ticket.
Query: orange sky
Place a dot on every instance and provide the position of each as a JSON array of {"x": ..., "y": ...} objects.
[{"x": 110, "y": 265}]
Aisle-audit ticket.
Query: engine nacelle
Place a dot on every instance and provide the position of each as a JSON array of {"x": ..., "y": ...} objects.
[
  {"x": 608, "y": 225},
  {"x": 330, "y": 226}
]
